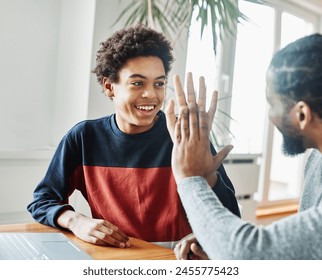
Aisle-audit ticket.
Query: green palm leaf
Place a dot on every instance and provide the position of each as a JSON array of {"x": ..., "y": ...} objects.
[{"x": 172, "y": 15}]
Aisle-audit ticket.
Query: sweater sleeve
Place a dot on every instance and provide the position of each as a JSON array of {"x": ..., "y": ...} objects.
[
  {"x": 50, "y": 197},
  {"x": 224, "y": 236},
  {"x": 224, "y": 189},
  {"x": 226, "y": 194}
]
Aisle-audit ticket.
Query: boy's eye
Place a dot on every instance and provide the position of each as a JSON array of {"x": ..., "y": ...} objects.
[
  {"x": 160, "y": 84},
  {"x": 139, "y": 83}
]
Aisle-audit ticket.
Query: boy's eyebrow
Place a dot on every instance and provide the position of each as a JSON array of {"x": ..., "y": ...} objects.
[{"x": 143, "y": 77}]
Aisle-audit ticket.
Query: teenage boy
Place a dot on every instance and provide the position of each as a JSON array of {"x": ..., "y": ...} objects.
[{"x": 121, "y": 163}]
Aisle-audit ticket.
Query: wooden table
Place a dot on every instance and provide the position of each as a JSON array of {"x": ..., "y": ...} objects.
[{"x": 139, "y": 250}]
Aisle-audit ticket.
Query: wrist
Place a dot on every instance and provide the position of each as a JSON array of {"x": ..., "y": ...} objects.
[
  {"x": 212, "y": 179},
  {"x": 67, "y": 219}
]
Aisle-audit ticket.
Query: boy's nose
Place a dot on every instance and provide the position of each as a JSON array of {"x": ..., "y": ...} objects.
[{"x": 149, "y": 92}]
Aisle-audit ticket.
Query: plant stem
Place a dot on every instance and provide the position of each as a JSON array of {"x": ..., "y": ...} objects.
[{"x": 150, "y": 15}]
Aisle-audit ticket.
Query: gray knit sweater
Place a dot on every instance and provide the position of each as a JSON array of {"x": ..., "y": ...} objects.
[{"x": 224, "y": 236}]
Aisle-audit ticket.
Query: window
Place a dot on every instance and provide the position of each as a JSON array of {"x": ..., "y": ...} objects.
[
  {"x": 238, "y": 71},
  {"x": 254, "y": 48}
]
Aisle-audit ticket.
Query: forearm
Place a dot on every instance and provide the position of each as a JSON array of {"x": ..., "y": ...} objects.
[
  {"x": 45, "y": 210},
  {"x": 50, "y": 197},
  {"x": 206, "y": 216},
  {"x": 224, "y": 236},
  {"x": 225, "y": 194}
]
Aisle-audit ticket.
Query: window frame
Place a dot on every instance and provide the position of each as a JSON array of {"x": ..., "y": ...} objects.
[{"x": 307, "y": 11}]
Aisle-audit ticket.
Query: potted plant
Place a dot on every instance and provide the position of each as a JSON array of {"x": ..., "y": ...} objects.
[{"x": 174, "y": 17}]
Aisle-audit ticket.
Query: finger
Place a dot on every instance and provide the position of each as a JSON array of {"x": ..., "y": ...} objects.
[
  {"x": 119, "y": 238},
  {"x": 181, "y": 99},
  {"x": 177, "y": 131},
  {"x": 184, "y": 251},
  {"x": 170, "y": 118},
  {"x": 108, "y": 225},
  {"x": 184, "y": 124},
  {"x": 100, "y": 237},
  {"x": 212, "y": 108},
  {"x": 111, "y": 234},
  {"x": 193, "y": 108},
  {"x": 202, "y": 94},
  {"x": 106, "y": 239},
  {"x": 177, "y": 250},
  {"x": 204, "y": 127},
  {"x": 221, "y": 155},
  {"x": 198, "y": 251},
  {"x": 191, "y": 91},
  {"x": 206, "y": 119},
  {"x": 193, "y": 121}
]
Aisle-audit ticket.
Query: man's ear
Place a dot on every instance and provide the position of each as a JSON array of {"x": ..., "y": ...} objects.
[
  {"x": 108, "y": 88},
  {"x": 303, "y": 114}
]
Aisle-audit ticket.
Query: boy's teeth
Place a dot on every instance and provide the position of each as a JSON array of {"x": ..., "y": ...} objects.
[{"x": 147, "y": 108}]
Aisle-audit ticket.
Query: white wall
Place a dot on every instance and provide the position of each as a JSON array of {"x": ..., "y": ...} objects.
[
  {"x": 29, "y": 40},
  {"x": 46, "y": 52},
  {"x": 73, "y": 65},
  {"x": 19, "y": 174},
  {"x": 105, "y": 16}
]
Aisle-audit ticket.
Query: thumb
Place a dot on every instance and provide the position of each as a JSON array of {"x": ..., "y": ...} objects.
[
  {"x": 222, "y": 154},
  {"x": 170, "y": 117}
]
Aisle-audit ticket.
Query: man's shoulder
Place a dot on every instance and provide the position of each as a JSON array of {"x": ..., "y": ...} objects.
[
  {"x": 314, "y": 161},
  {"x": 314, "y": 155}
]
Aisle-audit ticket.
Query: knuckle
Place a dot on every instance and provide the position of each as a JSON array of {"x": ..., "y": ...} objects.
[
  {"x": 186, "y": 127},
  {"x": 184, "y": 110},
  {"x": 193, "y": 107},
  {"x": 204, "y": 127},
  {"x": 185, "y": 242},
  {"x": 203, "y": 114},
  {"x": 96, "y": 241},
  {"x": 194, "y": 124}
]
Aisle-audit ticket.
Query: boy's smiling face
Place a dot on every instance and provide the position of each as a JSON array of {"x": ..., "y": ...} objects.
[{"x": 139, "y": 93}]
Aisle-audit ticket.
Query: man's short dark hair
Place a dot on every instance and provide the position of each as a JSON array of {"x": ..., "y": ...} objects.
[
  {"x": 131, "y": 42},
  {"x": 297, "y": 70}
]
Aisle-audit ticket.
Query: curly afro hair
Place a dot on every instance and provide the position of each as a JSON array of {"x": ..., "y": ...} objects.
[{"x": 131, "y": 42}]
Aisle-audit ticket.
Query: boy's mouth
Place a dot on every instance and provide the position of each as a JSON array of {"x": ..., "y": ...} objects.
[{"x": 146, "y": 107}]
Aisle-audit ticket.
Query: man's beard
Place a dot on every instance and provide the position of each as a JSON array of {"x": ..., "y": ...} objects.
[
  {"x": 293, "y": 145},
  {"x": 293, "y": 142}
]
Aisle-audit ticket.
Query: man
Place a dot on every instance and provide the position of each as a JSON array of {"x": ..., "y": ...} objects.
[
  {"x": 294, "y": 95},
  {"x": 121, "y": 163}
]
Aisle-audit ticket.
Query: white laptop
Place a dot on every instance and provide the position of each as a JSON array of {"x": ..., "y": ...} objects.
[{"x": 39, "y": 246}]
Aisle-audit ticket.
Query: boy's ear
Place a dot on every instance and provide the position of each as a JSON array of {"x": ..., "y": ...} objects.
[
  {"x": 303, "y": 115},
  {"x": 108, "y": 88}
]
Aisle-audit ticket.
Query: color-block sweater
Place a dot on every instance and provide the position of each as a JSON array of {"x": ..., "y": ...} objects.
[{"x": 126, "y": 179}]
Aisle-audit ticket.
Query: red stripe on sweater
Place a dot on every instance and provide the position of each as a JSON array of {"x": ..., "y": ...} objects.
[{"x": 143, "y": 202}]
